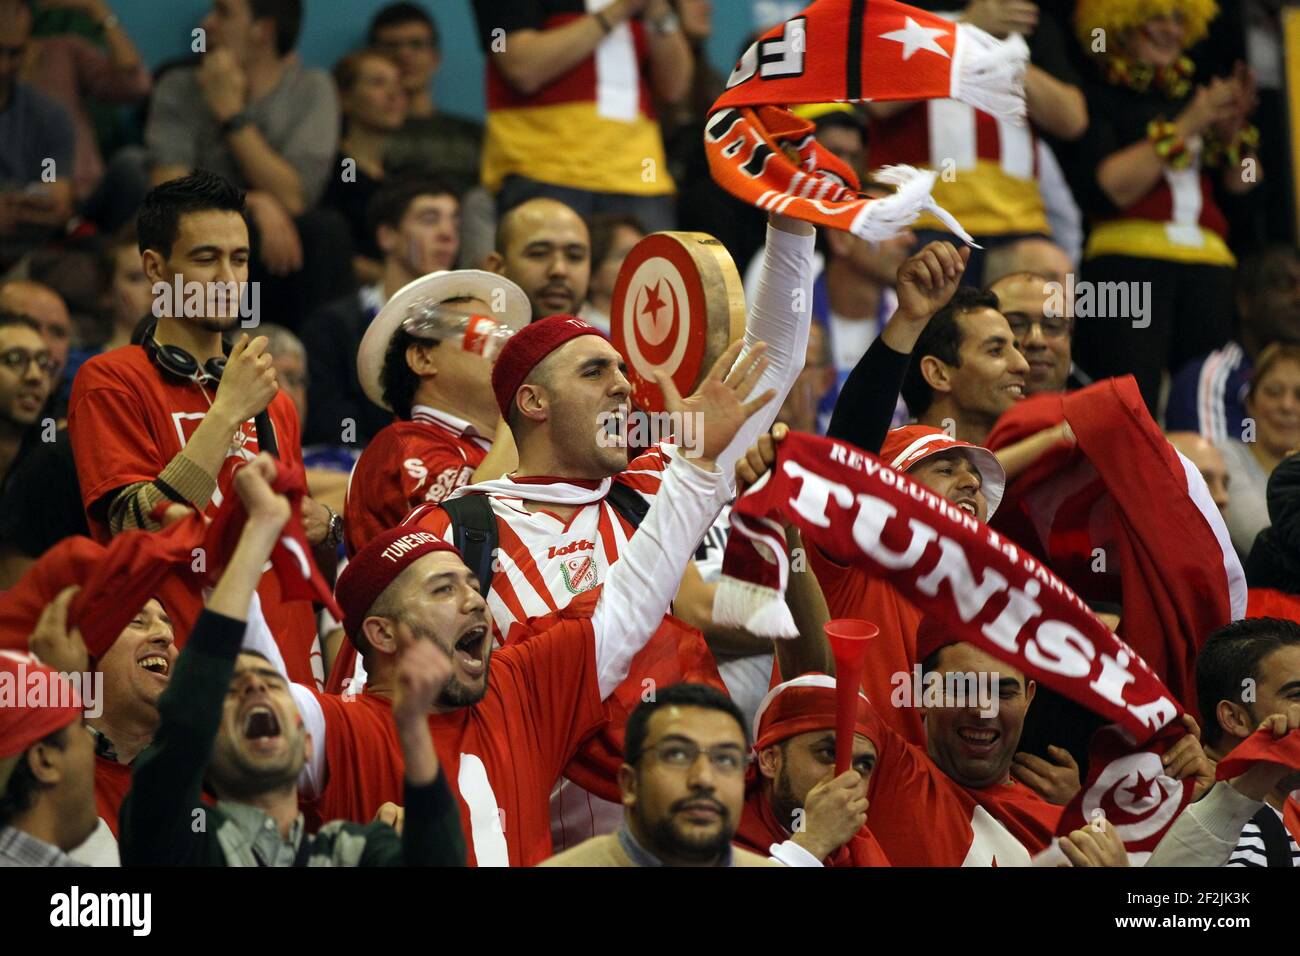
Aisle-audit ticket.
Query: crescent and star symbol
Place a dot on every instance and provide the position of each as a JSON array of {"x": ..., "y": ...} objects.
[{"x": 657, "y": 336}]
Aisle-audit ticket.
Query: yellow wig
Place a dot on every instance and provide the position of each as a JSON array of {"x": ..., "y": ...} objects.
[{"x": 1117, "y": 16}]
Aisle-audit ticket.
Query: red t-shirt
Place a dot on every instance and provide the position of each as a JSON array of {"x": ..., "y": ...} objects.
[
  {"x": 852, "y": 592},
  {"x": 112, "y": 781},
  {"x": 408, "y": 464},
  {"x": 922, "y": 817},
  {"x": 501, "y": 756},
  {"x": 126, "y": 422}
]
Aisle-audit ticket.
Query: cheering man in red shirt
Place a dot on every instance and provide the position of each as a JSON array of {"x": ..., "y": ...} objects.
[
  {"x": 161, "y": 423},
  {"x": 510, "y": 719}
]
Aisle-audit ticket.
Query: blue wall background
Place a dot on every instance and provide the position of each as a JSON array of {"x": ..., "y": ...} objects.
[{"x": 161, "y": 30}]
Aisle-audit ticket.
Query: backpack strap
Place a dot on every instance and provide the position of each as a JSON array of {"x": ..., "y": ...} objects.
[
  {"x": 474, "y": 526},
  {"x": 1277, "y": 841},
  {"x": 628, "y": 503},
  {"x": 474, "y": 533}
]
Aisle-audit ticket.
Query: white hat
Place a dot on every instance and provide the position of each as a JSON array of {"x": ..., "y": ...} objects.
[{"x": 434, "y": 287}]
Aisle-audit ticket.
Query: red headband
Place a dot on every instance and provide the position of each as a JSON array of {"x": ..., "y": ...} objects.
[
  {"x": 526, "y": 349},
  {"x": 376, "y": 566},
  {"x": 804, "y": 705}
]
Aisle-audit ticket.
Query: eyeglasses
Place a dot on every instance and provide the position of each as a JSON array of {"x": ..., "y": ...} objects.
[
  {"x": 1053, "y": 327},
  {"x": 726, "y": 759},
  {"x": 18, "y": 360}
]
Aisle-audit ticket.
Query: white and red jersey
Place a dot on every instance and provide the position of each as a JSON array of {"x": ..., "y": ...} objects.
[
  {"x": 544, "y": 561},
  {"x": 409, "y": 463},
  {"x": 995, "y": 164},
  {"x": 547, "y": 693}
]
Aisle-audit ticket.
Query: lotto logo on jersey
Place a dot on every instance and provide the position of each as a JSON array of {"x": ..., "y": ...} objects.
[
  {"x": 579, "y": 574},
  {"x": 570, "y": 548}
]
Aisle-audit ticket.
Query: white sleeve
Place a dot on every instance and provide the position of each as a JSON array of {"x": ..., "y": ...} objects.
[
  {"x": 311, "y": 781},
  {"x": 1206, "y": 833},
  {"x": 780, "y": 315},
  {"x": 258, "y": 637},
  {"x": 642, "y": 583},
  {"x": 792, "y": 854}
]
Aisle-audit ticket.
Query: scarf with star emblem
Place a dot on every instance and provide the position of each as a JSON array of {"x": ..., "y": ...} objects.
[{"x": 850, "y": 51}]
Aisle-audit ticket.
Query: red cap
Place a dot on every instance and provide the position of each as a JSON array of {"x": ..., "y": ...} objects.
[
  {"x": 906, "y": 446},
  {"x": 376, "y": 566},
  {"x": 71, "y": 561},
  {"x": 22, "y": 723},
  {"x": 803, "y": 705},
  {"x": 527, "y": 347}
]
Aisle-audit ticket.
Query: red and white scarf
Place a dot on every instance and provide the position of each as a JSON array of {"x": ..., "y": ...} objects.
[
  {"x": 990, "y": 592},
  {"x": 850, "y": 51}
]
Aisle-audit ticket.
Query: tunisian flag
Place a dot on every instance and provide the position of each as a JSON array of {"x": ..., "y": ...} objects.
[
  {"x": 1122, "y": 517},
  {"x": 850, "y": 51}
]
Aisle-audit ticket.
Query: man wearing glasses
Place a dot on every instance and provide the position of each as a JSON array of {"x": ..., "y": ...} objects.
[
  {"x": 26, "y": 376},
  {"x": 1044, "y": 337},
  {"x": 683, "y": 786}
]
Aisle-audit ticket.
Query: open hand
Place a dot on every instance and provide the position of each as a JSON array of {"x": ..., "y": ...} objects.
[{"x": 719, "y": 403}]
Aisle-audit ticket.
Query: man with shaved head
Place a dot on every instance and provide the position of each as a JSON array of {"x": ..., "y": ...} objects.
[
  {"x": 543, "y": 246},
  {"x": 1034, "y": 254},
  {"x": 1208, "y": 461}
]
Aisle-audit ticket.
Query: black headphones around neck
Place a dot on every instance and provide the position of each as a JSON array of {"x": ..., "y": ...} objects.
[
  {"x": 175, "y": 362},
  {"x": 179, "y": 365}
]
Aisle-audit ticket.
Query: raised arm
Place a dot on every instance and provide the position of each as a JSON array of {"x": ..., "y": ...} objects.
[
  {"x": 865, "y": 406},
  {"x": 158, "y": 815},
  {"x": 641, "y": 583},
  {"x": 779, "y": 317}
]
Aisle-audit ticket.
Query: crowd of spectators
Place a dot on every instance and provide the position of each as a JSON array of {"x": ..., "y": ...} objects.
[{"x": 1129, "y": 227}]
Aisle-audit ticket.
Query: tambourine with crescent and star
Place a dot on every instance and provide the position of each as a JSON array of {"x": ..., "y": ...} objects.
[{"x": 677, "y": 305}]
